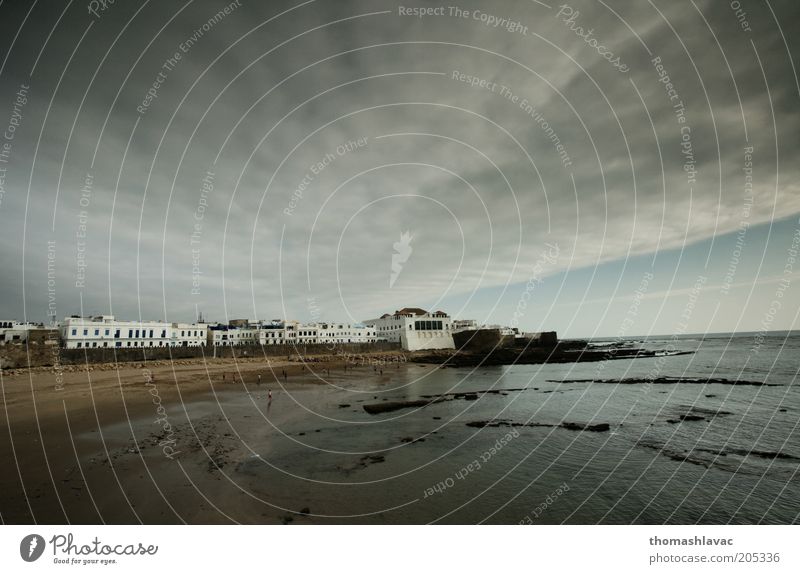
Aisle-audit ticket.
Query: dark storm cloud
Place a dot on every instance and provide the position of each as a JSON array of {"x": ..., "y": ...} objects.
[{"x": 471, "y": 173}]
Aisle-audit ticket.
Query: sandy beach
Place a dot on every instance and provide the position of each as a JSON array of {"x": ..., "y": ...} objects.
[{"x": 108, "y": 442}]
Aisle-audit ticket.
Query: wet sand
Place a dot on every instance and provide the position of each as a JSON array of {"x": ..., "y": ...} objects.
[{"x": 147, "y": 442}]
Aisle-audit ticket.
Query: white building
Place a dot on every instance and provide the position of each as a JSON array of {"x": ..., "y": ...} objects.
[
  {"x": 464, "y": 325},
  {"x": 272, "y": 334},
  {"x": 16, "y": 332},
  {"x": 227, "y": 335},
  {"x": 188, "y": 334},
  {"x": 290, "y": 333},
  {"x": 329, "y": 333},
  {"x": 105, "y": 331},
  {"x": 415, "y": 329}
]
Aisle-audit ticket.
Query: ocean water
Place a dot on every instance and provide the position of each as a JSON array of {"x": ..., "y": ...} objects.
[{"x": 320, "y": 450}]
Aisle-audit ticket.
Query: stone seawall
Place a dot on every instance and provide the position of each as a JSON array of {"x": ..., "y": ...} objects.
[{"x": 43, "y": 355}]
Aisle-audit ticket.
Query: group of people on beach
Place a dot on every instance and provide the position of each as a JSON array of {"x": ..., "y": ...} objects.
[{"x": 258, "y": 382}]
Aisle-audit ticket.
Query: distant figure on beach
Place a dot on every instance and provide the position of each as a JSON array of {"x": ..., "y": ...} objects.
[
  {"x": 269, "y": 395},
  {"x": 259, "y": 379},
  {"x": 284, "y": 374},
  {"x": 223, "y": 376}
]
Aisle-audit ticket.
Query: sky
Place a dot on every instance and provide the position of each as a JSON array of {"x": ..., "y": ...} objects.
[{"x": 595, "y": 168}]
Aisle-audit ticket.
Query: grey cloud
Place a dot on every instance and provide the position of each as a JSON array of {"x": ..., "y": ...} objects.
[{"x": 604, "y": 220}]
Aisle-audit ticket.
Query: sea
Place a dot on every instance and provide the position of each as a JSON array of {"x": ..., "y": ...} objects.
[{"x": 674, "y": 453}]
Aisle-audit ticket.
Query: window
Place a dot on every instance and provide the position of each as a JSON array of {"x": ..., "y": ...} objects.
[
  {"x": 107, "y": 332},
  {"x": 79, "y": 345},
  {"x": 137, "y": 334},
  {"x": 130, "y": 334},
  {"x": 116, "y": 334},
  {"x": 74, "y": 331},
  {"x": 151, "y": 333},
  {"x": 85, "y": 332},
  {"x": 118, "y": 344},
  {"x": 96, "y": 332}
]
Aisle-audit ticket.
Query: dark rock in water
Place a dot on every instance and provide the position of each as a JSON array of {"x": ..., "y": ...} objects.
[
  {"x": 600, "y": 427},
  {"x": 495, "y": 423},
  {"x": 301, "y": 434},
  {"x": 545, "y": 351},
  {"x": 698, "y": 414},
  {"x": 710, "y": 396},
  {"x": 372, "y": 459},
  {"x": 437, "y": 418},
  {"x": 683, "y": 418},
  {"x": 305, "y": 510},
  {"x": 704, "y": 411},
  {"x": 377, "y": 408},
  {"x": 287, "y": 520},
  {"x": 406, "y": 439},
  {"x": 782, "y": 410},
  {"x": 767, "y": 454},
  {"x": 669, "y": 381},
  {"x": 344, "y": 405}
]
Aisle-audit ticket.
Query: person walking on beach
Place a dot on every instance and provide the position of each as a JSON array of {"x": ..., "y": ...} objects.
[
  {"x": 269, "y": 395},
  {"x": 259, "y": 379}
]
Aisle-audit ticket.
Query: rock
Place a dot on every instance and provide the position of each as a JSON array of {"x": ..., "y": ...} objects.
[{"x": 600, "y": 427}]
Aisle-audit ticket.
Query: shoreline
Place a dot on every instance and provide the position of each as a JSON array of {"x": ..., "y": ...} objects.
[{"x": 82, "y": 453}]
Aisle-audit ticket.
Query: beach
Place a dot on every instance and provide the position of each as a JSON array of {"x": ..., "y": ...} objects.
[
  {"x": 104, "y": 441},
  {"x": 409, "y": 443}
]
